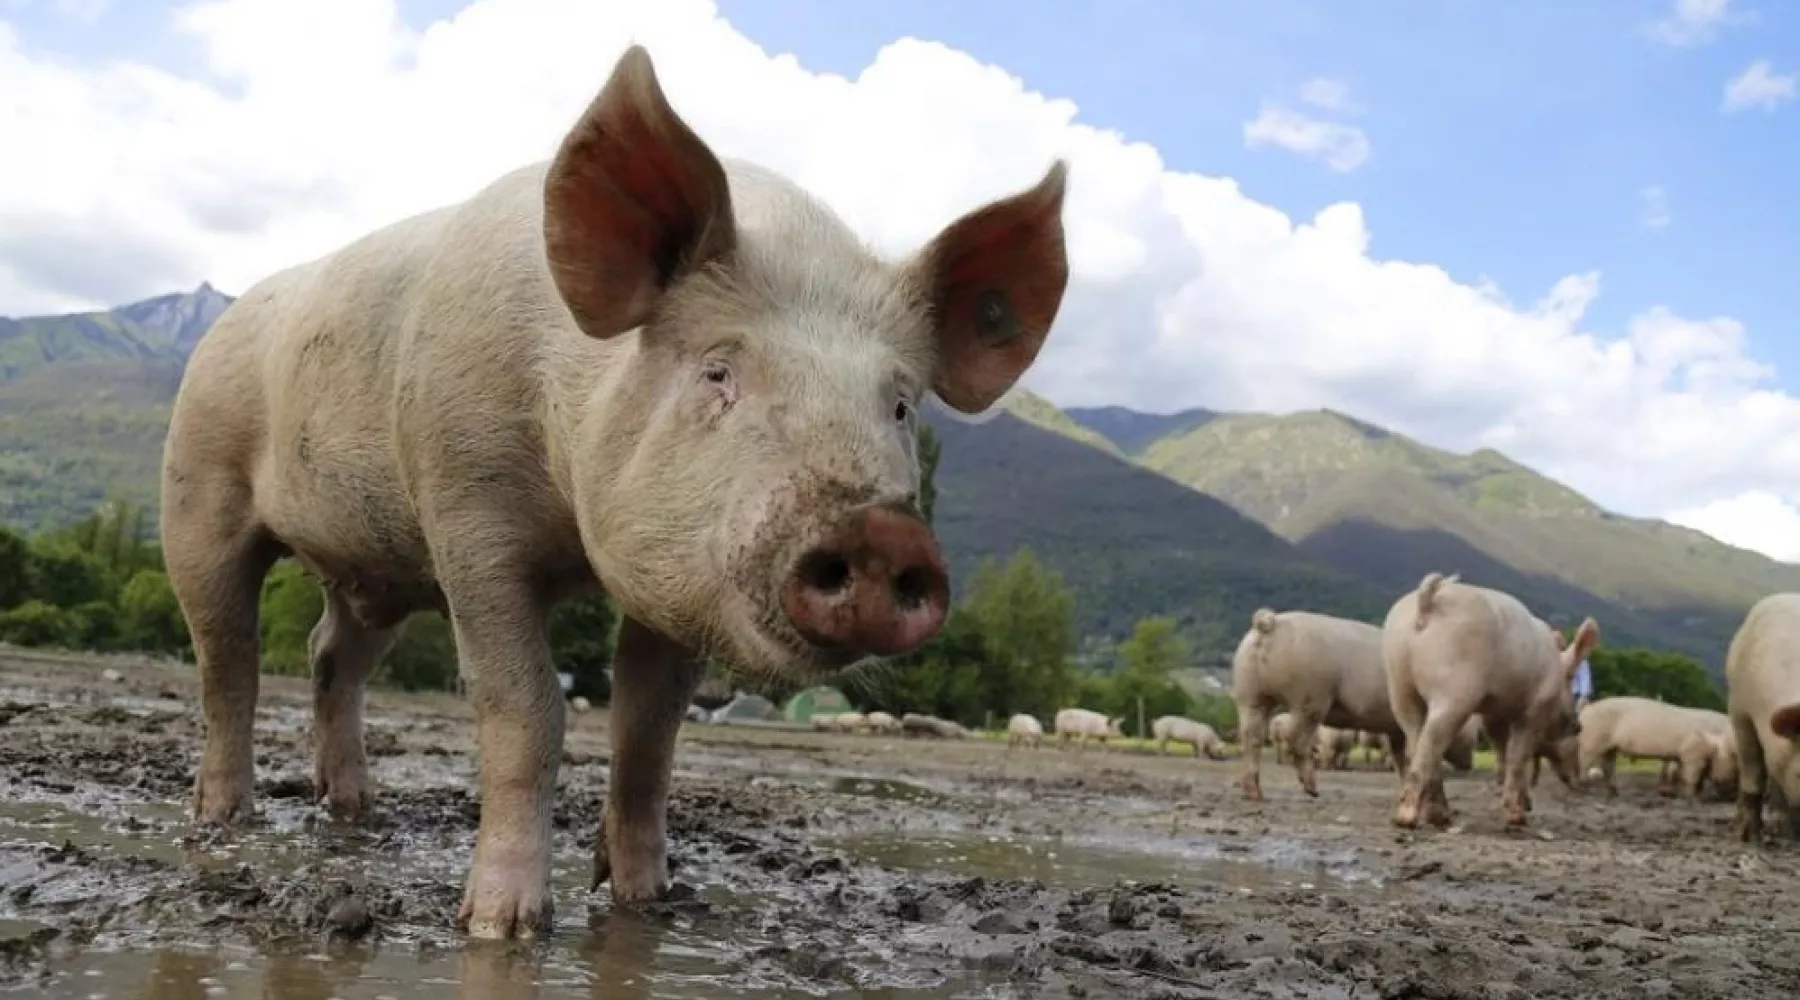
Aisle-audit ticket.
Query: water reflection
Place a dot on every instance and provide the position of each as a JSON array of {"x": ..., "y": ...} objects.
[
  {"x": 623, "y": 951},
  {"x": 494, "y": 970},
  {"x": 181, "y": 975}
]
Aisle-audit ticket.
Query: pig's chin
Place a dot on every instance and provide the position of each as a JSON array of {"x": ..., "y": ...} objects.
[{"x": 763, "y": 645}]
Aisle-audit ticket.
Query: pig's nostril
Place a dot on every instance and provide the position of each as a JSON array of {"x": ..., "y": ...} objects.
[
  {"x": 912, "y": 588},
  {"x": 825, "y": 572}
]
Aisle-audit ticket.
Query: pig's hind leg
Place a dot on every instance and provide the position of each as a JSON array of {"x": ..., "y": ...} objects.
[{"x": 344, "y": 652}]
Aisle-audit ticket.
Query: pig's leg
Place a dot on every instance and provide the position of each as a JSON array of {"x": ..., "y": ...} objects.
[
  {"x": 344, "y": 653},
  {"x": 1609, "y": 762},
  {"x": 1427, "y": 772},
  {"x": 1305, "y": 734},
  {"x": 216, "y": 561},
  {"x": 1517, "y": 746},
  {"x": 653, "y": 681},
  {"x": 501, "y": 625},
  {"x": 1253, "y": 728},
  {"x": 1753, "y": 779}
]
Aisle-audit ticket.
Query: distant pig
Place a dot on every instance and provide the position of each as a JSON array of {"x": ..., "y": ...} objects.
[
  {"x": 1177, "y": 729},
  {"x": 1332, "y": 746},
  {"x": 1325, "y": 670},
  {"x": 1025, "y": 729},
  {"x": 851, "y": 722},
  {"x": 824, "y": 722},
  {"x": 1648, "y": 729},
  {"x": 1762, "y": 678},
  {"x": 881, "y": 722},
  {"x": 634, "y": 367},
  {"x": 1453, "y": 649},
  {"x": 1072, "y": 723}
]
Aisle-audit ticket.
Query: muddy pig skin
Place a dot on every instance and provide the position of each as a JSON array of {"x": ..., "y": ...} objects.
[
  {"x": 1648, "y": 729},
  {"x": 1025, "y": 729},
  {"x": 1178, "y": 729},
  {"x": 1453, "y": 650},
  {"x": 1082, "y": 724},
  {"x": 1762, "y": 678},
  {"x": 632, "y": 367}
]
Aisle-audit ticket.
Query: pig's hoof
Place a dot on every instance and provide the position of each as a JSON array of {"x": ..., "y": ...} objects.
[
  {"x": 498, "y": 911},
  {"x": 221, "y": 802},
  {"x": 346, "y": 805},
  {"x": 1252, "y": 787}
]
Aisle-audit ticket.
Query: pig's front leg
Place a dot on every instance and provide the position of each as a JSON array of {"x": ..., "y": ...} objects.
[
  {"x": 653, "y": 681},
  {"x": 502, "y": 641}
]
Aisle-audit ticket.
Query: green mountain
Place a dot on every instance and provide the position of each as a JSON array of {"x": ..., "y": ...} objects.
[
  {"x": 165, "y": 327},
  {"x": 1388, "y": 509},
  {"x": 1132, "y": 431}
]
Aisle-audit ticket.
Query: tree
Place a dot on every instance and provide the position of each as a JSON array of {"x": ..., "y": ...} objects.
[
  {"x": 1026, "y": 616},
  {"x": 15, "y": 570},
  {"x": 1670, "y": 677},
  {"x": 582, "y": 637},
  {"x": 292, "y": 603},
  {"x": 929, "y": 450},
  {"x": 1146, "y": 659},
  {"x": 149, "y": 616},
  {"x": 39, "y": 623},
  {"x": 423, "y": 657}
]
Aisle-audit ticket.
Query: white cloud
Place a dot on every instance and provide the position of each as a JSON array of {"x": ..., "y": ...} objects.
[
  {"x": 1759, "y": 86},
  {"x": 319, "y": 120},
  {"x": 1341, "y": 147},
  {"x": 1693, "y": 22},
  {"x": 1332, "y": 95},
  {"x": 1756, "y": 519},
  {"x": 1655, "y": 207}
]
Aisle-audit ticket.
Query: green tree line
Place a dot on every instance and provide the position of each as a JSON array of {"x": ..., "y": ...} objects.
[{"x": 1009, "y": 645}]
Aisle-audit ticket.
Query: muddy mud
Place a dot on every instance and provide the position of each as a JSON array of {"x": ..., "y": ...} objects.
[{"x": 823, "y": 865}]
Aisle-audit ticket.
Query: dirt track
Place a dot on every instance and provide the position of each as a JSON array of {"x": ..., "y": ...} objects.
[{"x": 821, "y": 865}]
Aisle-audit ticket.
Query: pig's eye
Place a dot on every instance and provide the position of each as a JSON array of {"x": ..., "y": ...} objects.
[
  {"x": 902, "y": 410},
  {"x": 716, "y": 373}
]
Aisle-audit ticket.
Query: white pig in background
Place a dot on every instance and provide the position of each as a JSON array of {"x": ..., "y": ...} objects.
[
  {"x": 1025, "y": 729},
  {"x": 1082, "y": 724}
]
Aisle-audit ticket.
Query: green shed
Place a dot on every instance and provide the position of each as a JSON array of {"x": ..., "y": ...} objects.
[{"x": 820, "y": 700}]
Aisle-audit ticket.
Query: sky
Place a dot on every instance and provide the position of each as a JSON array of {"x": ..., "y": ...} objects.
[{"x": 1563, "y": 230}]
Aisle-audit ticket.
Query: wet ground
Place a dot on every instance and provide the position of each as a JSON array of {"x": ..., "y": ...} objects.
[{"x": 837, "y": 865}]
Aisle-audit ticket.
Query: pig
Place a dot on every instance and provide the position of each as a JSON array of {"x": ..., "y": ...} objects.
[
  {"x": 1454, "y": 649},
  {"x": 915, "y": 724},
  {"x": 1023, "y": 728},
  {"x": 1085, "y": 724},
  {"x": 1178, "y": 729},
  {"x": 1281, "y": 735},
  {"x": 1762, "y": 680},
  {"x": 1325, "y": 670},
  {"x": 1648, "y": 729},
  {"x": 824, "y": 722},
  {"x": 881, "y": 722},
  {"x": 851, "y": 722},
  {"x": 632, "y": 367},
  {"x": 1332, "y": 746},
  {"x": 580, "y": 704}
]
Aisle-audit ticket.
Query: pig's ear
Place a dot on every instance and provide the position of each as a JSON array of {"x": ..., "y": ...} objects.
[
  {"x": 1785, "y": 721},
  {"x": 633, "y": 200},
  {"x": 1586, "y": 638},
  {"x": 995, "y": 279}
]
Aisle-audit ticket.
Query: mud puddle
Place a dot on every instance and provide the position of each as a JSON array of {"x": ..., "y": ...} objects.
[{"x": 1087, "y": 863}]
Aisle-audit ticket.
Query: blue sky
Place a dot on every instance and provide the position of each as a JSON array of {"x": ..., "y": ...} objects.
[{"x": 1511, "y": 140}]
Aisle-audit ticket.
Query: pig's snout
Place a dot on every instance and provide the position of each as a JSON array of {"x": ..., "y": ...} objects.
[{"x": 875, "y": 584}]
